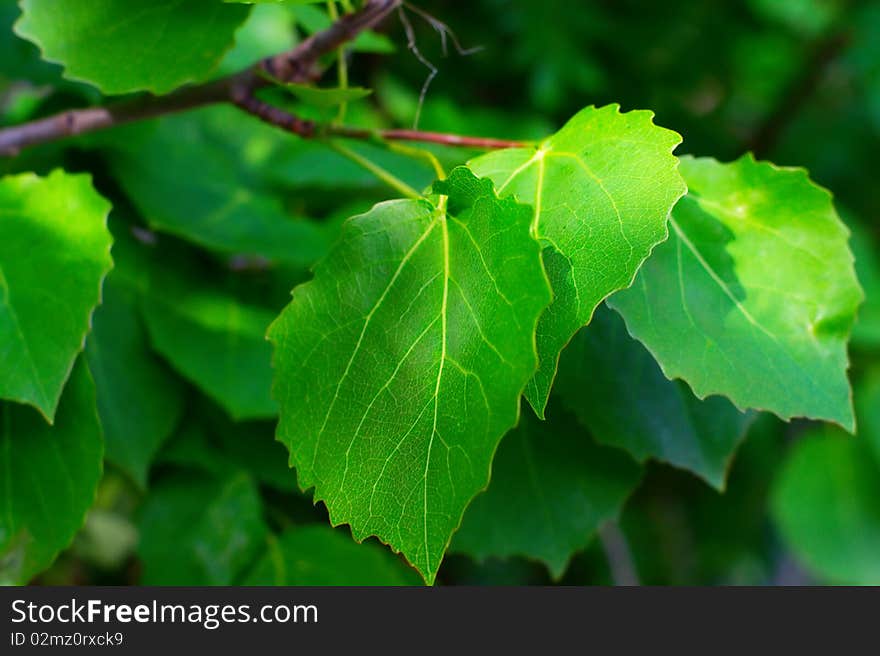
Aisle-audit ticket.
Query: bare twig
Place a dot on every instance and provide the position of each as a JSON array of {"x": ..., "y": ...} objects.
[
  {"x": 619, "y": 555},
  {"x": 297, "y": 65}
]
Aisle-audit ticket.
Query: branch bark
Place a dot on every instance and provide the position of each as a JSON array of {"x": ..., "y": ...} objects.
[{"x": 297, "y": 65}]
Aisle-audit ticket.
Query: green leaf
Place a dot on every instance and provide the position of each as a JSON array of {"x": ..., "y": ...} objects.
[
  {"x": 201, "y": 531},
  {"x": 50, "y": 477},
  {"x": 825, "y": 505},
  {"x": 320, "y": 97},
  {"x": 132, "y": 45},
  {"x": 318, "y": 555},
  {"x": 602, "y": 188},
  {"x": 754, "y": 294},
  {"x": 615, "y": 388},
  {"x": 139, "y": 400},
  {"x": 213, "y": 340},
  {"x": 399, "y": 367},
  {"x": 866, "y": 331},
  {"x": 269, "y": 30},
  {"x": 54, "y": 254},
  {"x": 868, "y": 409},
  {"x": 214, "y": 444},
  {"x": 551, "y": 489},
  {"x": 222, "y": 202}
]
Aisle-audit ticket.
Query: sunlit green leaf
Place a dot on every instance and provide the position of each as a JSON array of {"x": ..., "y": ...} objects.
[
  {"x": 132, "y": 45},
  {"x": 601, "y": 188},
  {"x": 54, "y": 254},
  {"x": 398, "y": 368},
  {"x": 754, "y": 294}
]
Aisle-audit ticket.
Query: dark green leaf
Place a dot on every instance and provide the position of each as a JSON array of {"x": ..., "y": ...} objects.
[
  {"x": 616, "y": 389},
  {"x": 318, "y": 555},
  {"x": 139, "y": 400},
  {"x": 201, "y": 531},
  {"x": 551, "y": 489},
  {"x": 50, "y": 476}
]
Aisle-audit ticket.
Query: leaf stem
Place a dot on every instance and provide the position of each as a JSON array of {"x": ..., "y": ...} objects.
[
  {"x": 421, "y": 153},
  {"x": 383, "y": 174},
  {"x": 341, "y": 63}
]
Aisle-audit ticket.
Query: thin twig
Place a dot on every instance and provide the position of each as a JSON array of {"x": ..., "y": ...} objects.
[
  {"x": 297, "y": 65},
  {"x": 619, "y": 555}
]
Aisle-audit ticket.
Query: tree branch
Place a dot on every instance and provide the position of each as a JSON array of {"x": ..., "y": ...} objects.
[{"x": 297, "y": 65}]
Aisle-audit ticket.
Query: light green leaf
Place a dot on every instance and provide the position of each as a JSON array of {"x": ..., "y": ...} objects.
[
  {"x": 213, "y": 340},
  {"x": 616, "y": 389},
  {"x": 222, "y": 202},
  {"x": 754, "y": 294},
  {"x": 826, "y": 506},
  {"x": 201, "y": 531},
  {"x": 602, "y": 188},
  {"x": 552, "y": 487},
  {"x": 132, "y": 45},
  {"x": 319, "y": 555},
  {"x": 269, "y": 30},
  {"x": 50, "y": 477},
  {"x": 139, "y": 400},
  {"x": 399, "y": 367},
  {"x": 321, "y": 97},
  {"x": 54, "y": 254}
]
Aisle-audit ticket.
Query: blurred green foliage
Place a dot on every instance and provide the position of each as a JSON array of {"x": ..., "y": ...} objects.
[{"x": 797, "y": 81}]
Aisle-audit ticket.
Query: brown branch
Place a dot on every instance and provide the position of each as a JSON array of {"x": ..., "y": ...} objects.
[
  {"x": 298, "y": 65},
  {"x": 288, "y": 122},
  {"x": 442, "y": 138}
]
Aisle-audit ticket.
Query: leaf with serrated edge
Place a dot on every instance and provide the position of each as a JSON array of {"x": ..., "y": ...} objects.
[
  {"x": 754, "y": 294},
  {"x": 602, "y": 188},
  {"x": 132, "y": 45},
  {"x": 50, "y": 478},
  {"x": 552, "y": 487},
  {"x": 399, "y": 367},
  {"x": 54, "y": 255}
]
